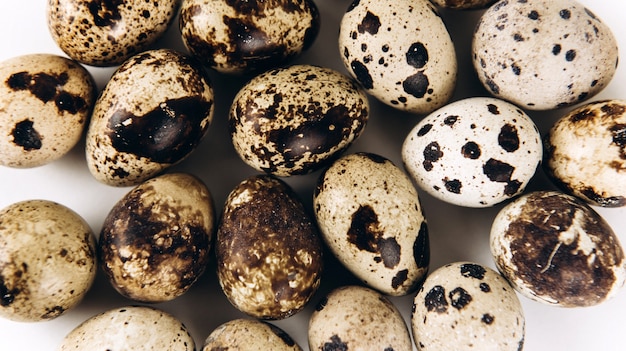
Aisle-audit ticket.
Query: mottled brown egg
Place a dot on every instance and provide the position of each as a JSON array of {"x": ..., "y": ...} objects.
[
  {"x": 555, "y": 249},
  {"x": 153, "y": 112},
  {"x": 47, "y": 260},
  {"x": 249, "y": 335},
  {"x": 155, "y": 241},
  {"x": 45, "y": 102},
  {"x": 106, "y": 33},
  {"x": 293, "y": 120},
  {"x": 244, "y": 36},
  {"x": 269, "y": 254}
]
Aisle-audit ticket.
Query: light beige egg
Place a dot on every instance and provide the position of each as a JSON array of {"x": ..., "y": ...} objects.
[{"x": 249, "y": 335}]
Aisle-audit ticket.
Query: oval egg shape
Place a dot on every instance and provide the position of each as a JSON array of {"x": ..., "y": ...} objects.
[{"x": 249, "y": 335}]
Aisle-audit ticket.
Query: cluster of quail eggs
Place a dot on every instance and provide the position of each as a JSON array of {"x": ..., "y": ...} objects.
[{"x": 270, "y": 247}]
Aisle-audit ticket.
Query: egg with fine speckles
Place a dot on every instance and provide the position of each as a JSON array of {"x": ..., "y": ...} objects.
[
  {"x": 294, "y": 120},
  {"x": 47, "y": 260},
  {"x": 152, "y": 114},
  {"x": 467, "y": 306},
  {"x": 557, "y": 250},
  {"x": 586, "y": 153},
  {"x": 357, "y": 318},
  {"x": 249, "y": 335},
  {"x": 155, "y": 241},
  {"x": 400, "y": 52},
  {"x": 474, "y": 152},
  {"x": 268, "y": 249},
  {"x": 543, "y": 54},
  {"x": 45, "y": 103},
  {"x": 370, "y": 216}
]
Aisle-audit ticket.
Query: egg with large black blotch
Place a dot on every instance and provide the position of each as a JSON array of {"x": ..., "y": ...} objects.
[{"x": 269, "y": 253}]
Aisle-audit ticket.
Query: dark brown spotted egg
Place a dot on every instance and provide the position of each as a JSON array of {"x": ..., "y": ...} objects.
[
  {"x": 400, "y": 52},
  {"x": 467, "y": 306},
  {"x": 269, "y": 254},
  {"x": 153, "y": 112},
  {"x": 557, "y": 250},
  {"x": 464, "y": 4},
  {"x": 543, "y": 54},
  {"x": 357, "y": 318},
  {"x": 249, "y": 335},
  {"x": 294, "y": 120},
  {"x": 45, "y": 103},
  {"x": 155, "y": 241},
  {"x": 47, "y": 260},
  {"x": 586, "y": 153},
  {"x": 475, "y": 152},
  {"x": 370, "y": 216},
  {"x": 244, "y": 36},
  {"x": 106, "y": 33}
]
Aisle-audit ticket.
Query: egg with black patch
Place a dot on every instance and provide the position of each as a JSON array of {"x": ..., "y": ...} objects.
[
  {"x": 45, "y": 103},
  {"x": 543, "y": 54},
  {"x": 475, "y": 152},
  {"x": 464, "y": 4},
  {"x": 268, "y": 249},
  {"x": 557, "y": 250},
  {"x": 249, "y": 335},
  {"x": 248, "y": 36},
  {"x": 586, "y": 153},
  {"x": 370, "y": 216},
  {"x": 47, "y": 260},
  {"x": 467, "y": 306},
  {"x": 155, "y": 241},
  {"x": 153, "y": 113},
  {"x": 296, "y": 119},
  {"x": 106, "y": 33},
  {"x": 400, "y": 52}
]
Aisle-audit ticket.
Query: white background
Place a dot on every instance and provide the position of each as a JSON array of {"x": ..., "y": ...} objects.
[{"x": 456, "y": 233}]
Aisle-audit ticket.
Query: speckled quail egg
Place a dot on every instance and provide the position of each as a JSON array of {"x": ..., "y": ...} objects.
[
  {"x": 294, "y": 120},
  {"x": 249, "y": 335},
  {"x": 586, "y": 153},
  {"x": 557, "y": 250},
  {"x": 466, "y": 306},
  {"x": 370, "y": 216},
  {"x": 153, "y": 112},
  {"x": 400, "y": 52},
  {"x": 136, "y": 328},
  {"x": 45, "y": 103},
  {"x": 106, "y": 33},
  {"x": 47, "y": 260},
  {"x": 543, "y": 54},
  {"x": 244, "y": 36},
  {"x": 464, "y": 4},
  {"x": 268, "y": 249},
  {"x": 357, "y": 318},
  {"x": 475, "y": 152}
]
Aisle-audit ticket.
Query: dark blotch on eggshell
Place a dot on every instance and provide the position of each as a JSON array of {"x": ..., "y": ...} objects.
[
  {"x": 421, "y": 247},
  {"x": 370, "y": 24},
  {"x": 508, "y": 138},
  {"x": 25, "y": 135},
  {"x": 473, "y": 270},
  {"x": 365, "y": 233},
  {"x": 435, "y": 300},
  {"x": 459, "y": 298},
  {"x": 362, "y": 74},
  {"x": 416, "y": 85}
]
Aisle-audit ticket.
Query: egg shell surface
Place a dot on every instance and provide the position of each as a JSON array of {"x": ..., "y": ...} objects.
[
  {"x": 464, "y": 4},
  {"x": 249, "y": 335}
]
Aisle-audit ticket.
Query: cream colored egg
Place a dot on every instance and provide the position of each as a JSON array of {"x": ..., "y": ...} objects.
[{"x": 249, "y": 335}]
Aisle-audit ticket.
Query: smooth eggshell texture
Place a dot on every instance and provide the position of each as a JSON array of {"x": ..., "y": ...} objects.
[
  {"x": 557, "y": 250},
  {"x": 357, "y": 318},
  {"x": 474, "y": 152},
  {"x": 464, "y": 4},
  {"x": 370, "y": 216},
  {"x": 106, "y": 33},
  {"x": 269, "y": 254},
  {"x": 45, "y": 103},
  {"x": 244, "y": 36},
  {"x": 131, "y": 328},
  {"x": 400, "y": 52},
  {"x": 47, "y": 260},
  {"x": 586, "y": 153},
  {"x": 466, "y": 306},
  {"x": 153, "y": 112},
  {"x": 155, "y": 241},
  {"x": 249, "y": 335},
  {"x": 294, "y": 120},
  {"x": 543, "y": 54}
]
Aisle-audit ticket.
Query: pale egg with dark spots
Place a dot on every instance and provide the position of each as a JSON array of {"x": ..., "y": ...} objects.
[{"x": 249, "y": 335}]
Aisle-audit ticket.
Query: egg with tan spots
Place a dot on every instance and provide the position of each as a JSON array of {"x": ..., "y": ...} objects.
[
  {"x": 370, "y": 216},
  {"x": 400, "y": 52},
  {"x": 543, "y": 54},
  {"x": 467, "y": 306},
  {"x": 475, "y": 152},
  {"x": 47, "y": 260},
  {"x": 249, "y": 335},
  {"x": 555, "y": 249},
  {"x": 45, "y": 103},
  {"x": 464, "y": 4}
]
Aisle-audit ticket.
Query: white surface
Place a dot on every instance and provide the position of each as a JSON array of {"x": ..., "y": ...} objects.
[{"x": 456, "y": 233}]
